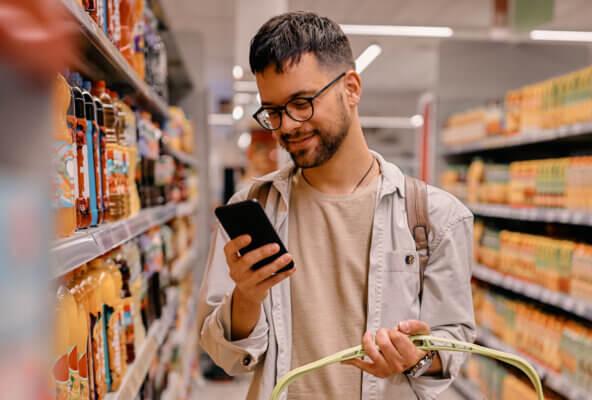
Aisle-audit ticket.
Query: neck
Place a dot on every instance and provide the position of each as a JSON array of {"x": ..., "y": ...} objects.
[{"x": 341, "y": 173}]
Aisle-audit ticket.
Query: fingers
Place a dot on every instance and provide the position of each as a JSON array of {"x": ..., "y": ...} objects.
[
  {"x": 263, "y": 252},
  {"x": 267, "y": 271},
  {"x": 275, "y": 279},
  {"x": 232, "y": 248},
  {"x": 409, "y": 353},
  {"x": 380, "y": 367},
  {"x": 414, "y": 327},
  {"x": 390, "y": 351}
]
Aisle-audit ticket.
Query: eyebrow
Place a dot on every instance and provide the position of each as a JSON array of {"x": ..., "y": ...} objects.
[{"x": 300, "y": 93}]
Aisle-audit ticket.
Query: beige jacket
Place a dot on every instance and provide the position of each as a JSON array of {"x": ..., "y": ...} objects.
[{"x": 393, "y": 288}]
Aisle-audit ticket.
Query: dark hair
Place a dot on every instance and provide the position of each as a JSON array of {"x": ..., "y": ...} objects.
[{"x": 285, "y": 38}]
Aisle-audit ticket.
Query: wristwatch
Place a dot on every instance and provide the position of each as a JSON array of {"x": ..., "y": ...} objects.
[{"x": 422, "y": 366}]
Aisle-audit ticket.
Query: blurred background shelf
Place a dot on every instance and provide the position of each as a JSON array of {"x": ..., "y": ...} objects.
[
  {"x": 562, "y": 301},
  {"x": 550, "y": 379},
  {"x": 551, "y": 215},
  {"x": 521, "y": 139}
]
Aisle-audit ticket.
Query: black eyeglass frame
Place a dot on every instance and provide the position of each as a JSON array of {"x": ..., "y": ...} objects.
[{"x": 284, "y": 108}]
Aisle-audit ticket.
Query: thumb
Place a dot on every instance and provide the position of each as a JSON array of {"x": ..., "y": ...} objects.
[{"x": 414, "y": 327}]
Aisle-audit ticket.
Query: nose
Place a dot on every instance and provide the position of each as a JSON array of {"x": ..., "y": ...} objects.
[{"x": 288, "y": 124}]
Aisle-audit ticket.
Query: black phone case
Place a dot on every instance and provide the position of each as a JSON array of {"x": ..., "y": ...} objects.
[{"x": 248, "y": 218}]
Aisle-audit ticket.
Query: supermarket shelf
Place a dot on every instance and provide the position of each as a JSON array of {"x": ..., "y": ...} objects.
[
  {"x": 467, "y": 389},
  {"x": 132, "y": 381},
  {"x": 185, "y": 158},
  {"x": 183, "y": 265},
  {"x": 522, "y": 139},
  {"x": 112, "y": 61},
  {"x": 556, "y": 382},
  {"x": 68, "y": 254},
  {"x": 552, "y": 215},
  {"x": 562, "y": 301}
]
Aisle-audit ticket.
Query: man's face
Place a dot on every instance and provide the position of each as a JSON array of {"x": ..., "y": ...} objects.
[{"x": 313, "y": 142}]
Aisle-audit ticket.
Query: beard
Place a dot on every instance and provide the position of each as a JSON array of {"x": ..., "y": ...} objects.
[{"x": 329, "y": 141}]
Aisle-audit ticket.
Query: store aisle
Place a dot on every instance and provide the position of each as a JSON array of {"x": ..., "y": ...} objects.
[{"x": 237, "y": 390}]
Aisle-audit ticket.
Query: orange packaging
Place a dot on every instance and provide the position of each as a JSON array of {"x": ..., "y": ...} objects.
[{"x": 65, "y": 178}]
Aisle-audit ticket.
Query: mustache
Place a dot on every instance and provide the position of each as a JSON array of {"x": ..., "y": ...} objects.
[{"x": 285, "y": 137}]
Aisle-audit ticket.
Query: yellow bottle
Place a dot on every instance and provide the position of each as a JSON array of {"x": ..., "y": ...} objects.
[
  {"x": 61, "y": 349},
  {"x": 81, "y": 328}
]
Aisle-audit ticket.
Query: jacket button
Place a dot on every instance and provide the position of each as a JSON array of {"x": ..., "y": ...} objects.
[
  {"x": 247, "y": 360},
  {"x": 409, "y": 259}
]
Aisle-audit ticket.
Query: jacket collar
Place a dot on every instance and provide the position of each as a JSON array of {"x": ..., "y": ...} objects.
[{"x": 393, "y": 180}]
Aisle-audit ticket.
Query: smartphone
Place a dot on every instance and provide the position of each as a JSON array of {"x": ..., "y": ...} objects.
[{"x": 248, "y": 218}]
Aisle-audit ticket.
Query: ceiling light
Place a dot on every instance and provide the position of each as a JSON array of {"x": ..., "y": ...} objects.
[
  {"x": 238, "y": 113},
  {"x": 220, "y": 119},
  {"x": 398, "y": 30},
  {"x": 246, "y": 86},
  {"x": 563, "y": 36},
  {"x": 237, "y": 72},
  {"x": 244, "y": 140},
  {"x": 367, "y": 57}
]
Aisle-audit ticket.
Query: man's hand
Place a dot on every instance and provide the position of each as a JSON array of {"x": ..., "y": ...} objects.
[
  {"x": 392, "y": 352},
  {"x": 251, "y": 286}
]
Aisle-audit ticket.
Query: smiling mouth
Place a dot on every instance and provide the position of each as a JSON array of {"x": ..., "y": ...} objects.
[{"x": 299, "y": 140}]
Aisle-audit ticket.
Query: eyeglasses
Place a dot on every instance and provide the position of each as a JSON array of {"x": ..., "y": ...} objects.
[{"x": 300, "y": 109}]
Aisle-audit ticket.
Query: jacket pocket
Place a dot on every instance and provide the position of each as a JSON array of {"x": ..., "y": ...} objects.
[{"x": 402, "y": 261}]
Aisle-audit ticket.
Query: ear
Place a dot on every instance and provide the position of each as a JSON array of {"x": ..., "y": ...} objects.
[{"x": 353, "y": 87}]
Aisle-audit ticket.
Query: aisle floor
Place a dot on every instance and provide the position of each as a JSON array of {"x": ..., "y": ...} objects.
[{"x": 237, "y": 390}]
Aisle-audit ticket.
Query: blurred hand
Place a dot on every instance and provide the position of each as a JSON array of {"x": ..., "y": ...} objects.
[
  {"x": 253, "y": 286},
  {"x": 391, "y": 352},
  {"x": 36, "y": 38}
]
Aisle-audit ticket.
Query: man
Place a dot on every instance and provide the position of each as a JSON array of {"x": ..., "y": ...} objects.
[{"x": 341, "y": 212}]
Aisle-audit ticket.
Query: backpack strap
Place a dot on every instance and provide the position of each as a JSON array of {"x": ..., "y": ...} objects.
[
  {"x": 416, "y": 205},
  {"x": 259, "y": 191}
]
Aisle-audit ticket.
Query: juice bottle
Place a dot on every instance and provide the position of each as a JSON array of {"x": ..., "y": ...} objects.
[
  {"x": 94, "y": 170},
  {"x": 126, "y": 42},
  {"x": 110, "y": 139},
  {"x": 103, "y": 155},
  {"x": 61, "y": 349},
  {"x": 130, "y": 142},
  {"x": 128, "y": 311},
  {"x": 83, "y": 216},
  {"x": 138, "y": 58},
  {"x": 65, "y": 182},
  {"x": 70, "y": 308},
  {"x": 122, "y": 133},
  {"x": 117, "y": 325},
  {"x": 99, "y": 353},
  {"x": 81, "y": 327}
]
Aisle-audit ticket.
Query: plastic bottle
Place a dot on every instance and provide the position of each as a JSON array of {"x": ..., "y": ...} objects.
[
  {"x": 67, "y": 305},
  {"x": 126, "y": 42},
  {"x": 60, "y": 350},
  {"x": 139, "y": 60},
  {"x": 103, "y": 155},
  {"x": 93, "y": 161},
  {"x": 130, "y": 142},
  {"x": 110, "y": 140},
  {"x": 83, "y": 215},
  {"x": 114, "y": 21},
  {"x": 65, "y": 178},
  {"x": 81, "y": 328}
]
